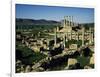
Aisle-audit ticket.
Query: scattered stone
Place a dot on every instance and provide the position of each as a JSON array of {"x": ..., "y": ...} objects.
[
  {"x": 92, "y": 59},
  {"x": 72, "y": 61},
  {"x": 87, "y": 67},
  {"x": 28, "y": 68}
]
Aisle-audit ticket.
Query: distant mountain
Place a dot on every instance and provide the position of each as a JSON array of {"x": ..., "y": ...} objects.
[
  {"x": 47, "y": 24},
  {"x": 20, "y": 21}
]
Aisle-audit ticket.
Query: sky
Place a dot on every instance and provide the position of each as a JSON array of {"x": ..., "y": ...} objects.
[{"x": 80, "y": 15}]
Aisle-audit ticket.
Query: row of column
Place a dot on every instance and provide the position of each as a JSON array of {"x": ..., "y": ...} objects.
[
  {"x": 68, "y": 21},
  {"x": 69, "y": 36}
]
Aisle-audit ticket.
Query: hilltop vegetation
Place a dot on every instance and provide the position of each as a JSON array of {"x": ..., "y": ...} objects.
[{"x": 42, "y": 24}]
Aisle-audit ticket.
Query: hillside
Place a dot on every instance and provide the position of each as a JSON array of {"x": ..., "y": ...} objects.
[{"x": 20, "y": 21}]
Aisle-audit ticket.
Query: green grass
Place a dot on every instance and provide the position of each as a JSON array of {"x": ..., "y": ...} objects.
[
  {"x": 28, "y": 56},
  {"x": 83, "y": 60},
  {"x": 79, "y": 42}
]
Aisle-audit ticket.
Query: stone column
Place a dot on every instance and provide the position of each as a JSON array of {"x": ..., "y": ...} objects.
[
  {"x": 82, "y": 36},
  {"x": 69, "y": 20},
  {"x": 64, "y": 21},
  {"x": 55, "y": 37},
  {"x": 72, "y": 21},
  {"x": 90, "y": 35},
  {"x": 61, "y": 22},
  {"x": 64, "y": 40},
  {"x": 57, "y": 28},
  {"x": 77, "y": 36},
  {"x": 71, "y": 35}
]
